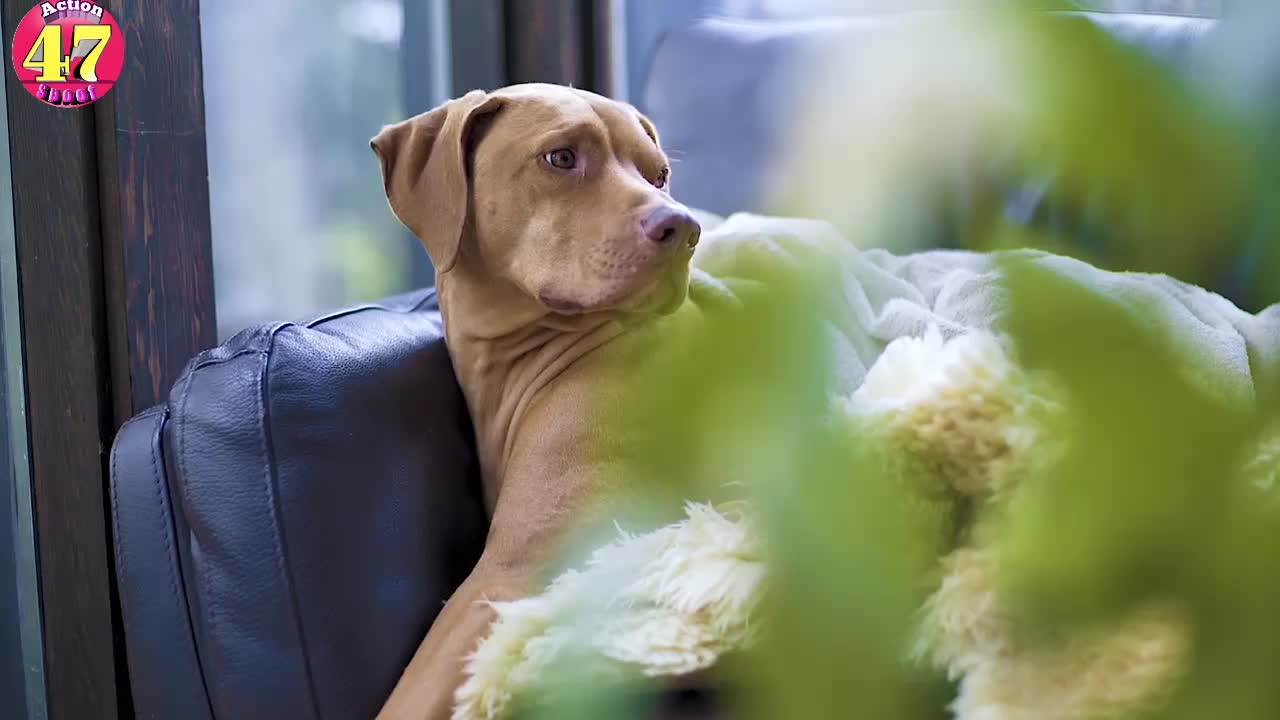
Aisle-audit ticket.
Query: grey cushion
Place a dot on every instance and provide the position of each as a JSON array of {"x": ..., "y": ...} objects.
[{"x": 720, "y": 90}]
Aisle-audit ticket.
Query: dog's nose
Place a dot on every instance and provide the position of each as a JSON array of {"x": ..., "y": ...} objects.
[{"x": 672, "y": 226}]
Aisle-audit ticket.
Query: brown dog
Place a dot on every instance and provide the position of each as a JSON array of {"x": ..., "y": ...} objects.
[{"x": 557, "y": 246}]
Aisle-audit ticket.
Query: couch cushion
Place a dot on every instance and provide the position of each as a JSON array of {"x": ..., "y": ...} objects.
[
  {"x": 325, "y": 502},
  {"x": 720, "y": 89},
  {"x": 163, "y": 666}
]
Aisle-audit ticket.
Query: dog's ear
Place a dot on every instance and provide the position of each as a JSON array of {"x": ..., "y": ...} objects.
[{"x": 424, "y": 172}]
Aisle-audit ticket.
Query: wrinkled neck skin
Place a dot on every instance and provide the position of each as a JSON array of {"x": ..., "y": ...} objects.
[{"x": 522, "y": 366}]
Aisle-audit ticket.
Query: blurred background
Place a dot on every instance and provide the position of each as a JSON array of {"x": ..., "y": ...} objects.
[{"x": 299, "y": 222}]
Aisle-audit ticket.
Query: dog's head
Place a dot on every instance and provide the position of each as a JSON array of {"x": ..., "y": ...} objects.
[{"x": 560, "y": 192}]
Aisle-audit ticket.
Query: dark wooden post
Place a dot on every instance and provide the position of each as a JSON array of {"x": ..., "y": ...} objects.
[
  {"x": 59, "y": 254},
  {"x": 479, "y": 53},
  {"x": 153, "y": 195},
  {"x": 557, "y": 41},
  {"x": 153, "y": 177},
  {"x": 114, "y": 255}
]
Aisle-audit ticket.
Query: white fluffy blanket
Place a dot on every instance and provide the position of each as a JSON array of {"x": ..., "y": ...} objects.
[{"x": 920, "y": 365}]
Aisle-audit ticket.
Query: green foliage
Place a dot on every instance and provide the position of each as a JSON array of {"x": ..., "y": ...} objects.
[
  {"x": 1133, "y": 148},
  {"x": 361, "y": 273},
  {"x": 1149, "y": 500},
  {"x": 1140, "y": 434}
]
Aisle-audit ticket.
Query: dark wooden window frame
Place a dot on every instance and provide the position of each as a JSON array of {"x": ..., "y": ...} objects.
[
  {"x": 559, "y": 41},
  {"x": 501, "y": 42},
  {"x": 111, "y": 218}
]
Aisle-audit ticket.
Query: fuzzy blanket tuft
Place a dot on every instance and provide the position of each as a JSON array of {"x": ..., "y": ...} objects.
[{"x": 688, "y": 593}]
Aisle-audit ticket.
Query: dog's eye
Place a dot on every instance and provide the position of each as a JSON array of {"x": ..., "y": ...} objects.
[
  {"x": 563, "y": 159},
  {"x": 663, "y": 177}
]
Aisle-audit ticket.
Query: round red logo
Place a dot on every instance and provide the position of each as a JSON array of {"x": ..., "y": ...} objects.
[{"x": 68, "y": 53}]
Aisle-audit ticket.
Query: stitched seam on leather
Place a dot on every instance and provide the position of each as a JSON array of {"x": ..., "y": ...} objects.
[
  {"x": 115, "y": 520},
  {"x": 349, "y": 311},
  {"x": 208, "y": 362},
  {"x": 144, "y": 415},
  {"x": 182, "y": 471},
  {"x": 430, "y": 295},
  {"x": 366, "y": 308},
  {"x": 171, "y": 551},
  {"x": 282, "y": 550}
]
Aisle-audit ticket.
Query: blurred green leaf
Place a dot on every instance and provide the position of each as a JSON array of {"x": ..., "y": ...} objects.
[
  {"x": 1148, "y": 455},
  {"x": 1147, "y": 501}
]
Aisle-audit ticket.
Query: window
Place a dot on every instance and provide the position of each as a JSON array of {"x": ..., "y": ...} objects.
[
  {"x": 293, "y": 91},
  {"x": 646, "y": 22},
  {"x": 1206, "y": 8},
  {"x": 782, "y": 8}
]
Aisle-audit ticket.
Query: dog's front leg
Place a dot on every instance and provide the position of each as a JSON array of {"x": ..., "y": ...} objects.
[
  {"x": 529, "y": 524},
  {"x": 426, "y": 688}
]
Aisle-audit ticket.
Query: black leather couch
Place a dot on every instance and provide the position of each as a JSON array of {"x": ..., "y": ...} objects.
[{"x": 289, "y": 522}]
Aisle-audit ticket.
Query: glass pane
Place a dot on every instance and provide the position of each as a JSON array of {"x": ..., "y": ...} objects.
[
  {"x": 294, "y": 90},
  {"x": 782, "y": 8},
  {"x": 21, "y": 643},
  {"x": 644, "y": 24},
  {"x": 1207, "y": 8}
]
